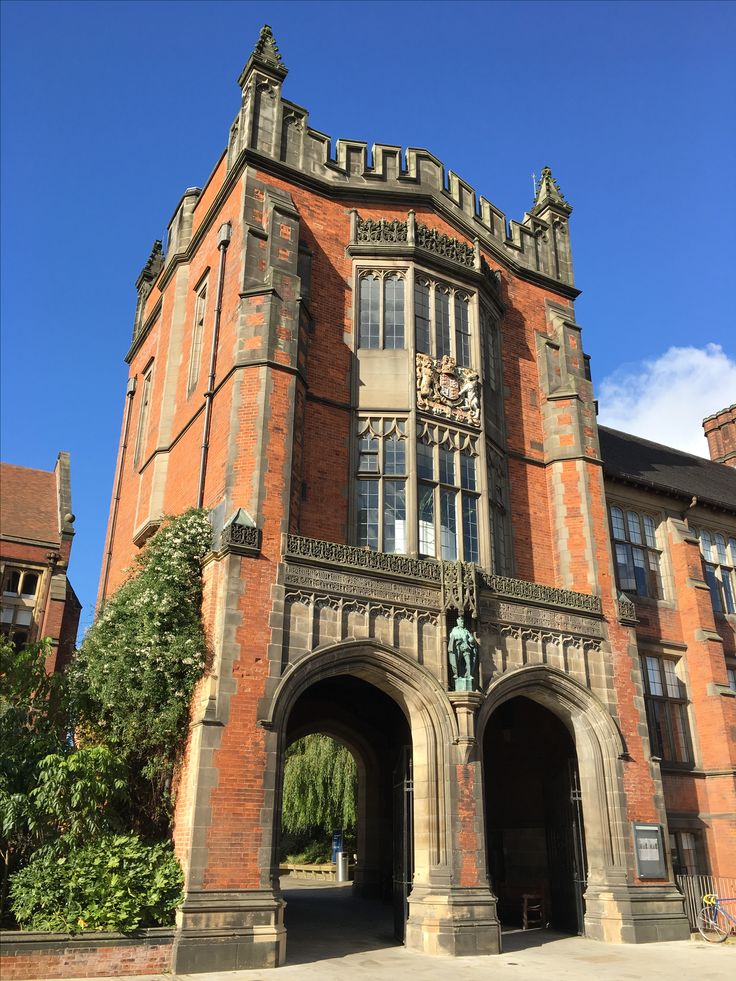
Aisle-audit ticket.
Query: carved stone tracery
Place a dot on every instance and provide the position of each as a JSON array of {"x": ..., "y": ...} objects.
[
  {"x": 382, "y": 230},
  {"x": 444, "y": 245}
]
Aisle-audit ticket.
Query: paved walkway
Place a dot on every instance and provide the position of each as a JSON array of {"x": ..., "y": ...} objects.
[{"x": 335, "y": 937}]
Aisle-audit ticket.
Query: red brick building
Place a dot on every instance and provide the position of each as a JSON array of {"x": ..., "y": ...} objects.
[
  {"x": 36, "y": 532},
  {"x": 378, "y": 387}
]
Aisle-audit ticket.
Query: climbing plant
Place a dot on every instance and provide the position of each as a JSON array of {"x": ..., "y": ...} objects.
[{"x": 135, "y": 673}]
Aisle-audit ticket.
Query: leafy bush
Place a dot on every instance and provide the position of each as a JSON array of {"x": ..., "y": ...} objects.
[
  {"x": 114, "y": 883},
  {"x": 32, "y": 725},
  {"x": 78, "y": 796}
]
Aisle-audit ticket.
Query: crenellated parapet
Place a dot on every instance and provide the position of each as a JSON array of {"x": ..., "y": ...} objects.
[{"x": 275, "y": 134}]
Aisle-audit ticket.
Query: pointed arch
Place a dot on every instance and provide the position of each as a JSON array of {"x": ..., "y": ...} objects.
[
  {"x": 429, "y": 713},
  {"x": 600, "y": 748}
]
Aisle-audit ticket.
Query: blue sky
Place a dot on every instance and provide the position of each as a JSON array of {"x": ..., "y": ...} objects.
[{"x": 110, "y": 110}]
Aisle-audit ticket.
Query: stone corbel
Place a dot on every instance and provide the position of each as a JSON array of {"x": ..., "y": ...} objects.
[{"x": 466, "y": 705}]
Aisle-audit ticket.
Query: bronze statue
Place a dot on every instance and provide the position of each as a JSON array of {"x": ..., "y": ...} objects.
[{"x": 462, "y": 650}]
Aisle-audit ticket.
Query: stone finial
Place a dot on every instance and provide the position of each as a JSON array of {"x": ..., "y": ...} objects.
[
  {"x": 549, "y": 193},
  {"x": 266, "y": 48},
  {"x": 152, "y": 268},
  {"x": 266, "y": 55}
]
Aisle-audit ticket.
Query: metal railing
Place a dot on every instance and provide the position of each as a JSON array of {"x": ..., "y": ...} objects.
[{"x": 694, "y": 887}]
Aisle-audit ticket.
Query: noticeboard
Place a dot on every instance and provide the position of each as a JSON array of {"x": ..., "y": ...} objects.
[{"x": 649, "y": 849}]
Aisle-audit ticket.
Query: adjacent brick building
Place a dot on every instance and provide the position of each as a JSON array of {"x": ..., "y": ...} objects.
[
  {"x": 36, "y": 532},
  {"x": 378, "y": 387}
]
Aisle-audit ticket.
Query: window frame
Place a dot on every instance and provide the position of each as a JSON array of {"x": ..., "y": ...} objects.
[
  {"x": 144, "y": 412},
  {"x": 198, "y": 324},
  {"x": 437, "y": 285},
  {"x": 461, "y": 447},
  {"x": 16, "y": 605},
  {"x": 376, "y": 477},
  {"x": 667, "y": 711},
  {"x": 719, "y": 568},
  {"x": 648, "y": 547},
  {"x": 382, "y": 275}
]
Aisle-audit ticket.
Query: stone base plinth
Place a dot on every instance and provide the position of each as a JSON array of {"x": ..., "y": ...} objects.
[
  {"x": 635, "y": 914},
  {"x": 457, "y": 922},
  {"x": 229, "y": 931}
]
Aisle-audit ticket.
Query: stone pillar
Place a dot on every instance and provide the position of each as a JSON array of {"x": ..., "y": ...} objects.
[{"x": 453, "y": 910}]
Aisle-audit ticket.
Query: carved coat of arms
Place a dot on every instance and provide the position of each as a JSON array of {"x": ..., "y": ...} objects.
[{"x": 448, "y": 390}]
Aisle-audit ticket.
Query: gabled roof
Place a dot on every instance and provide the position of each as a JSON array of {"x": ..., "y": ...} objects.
[
  {"x": 668, "y": 470},
  {"x": 29, "y": 505}
]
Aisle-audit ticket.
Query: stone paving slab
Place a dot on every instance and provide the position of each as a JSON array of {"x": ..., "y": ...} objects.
[{"x": 336, "y": 937}]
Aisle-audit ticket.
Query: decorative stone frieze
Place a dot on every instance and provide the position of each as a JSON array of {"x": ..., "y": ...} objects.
[
  {"x": 381, "y": 230},
  {"x": 627, "y": 610},
  {"x": 445, "y": 246},
  {"x": 313, "y": 549},
  {"x": 498, "y": 611},
  {"x": 446, "y": 389},
  {"x": 538, "y": 593},
  {"x": 241, "y": 535},
  {"x": 334, "y": 581}
]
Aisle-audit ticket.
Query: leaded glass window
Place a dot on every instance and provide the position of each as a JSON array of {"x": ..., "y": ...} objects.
[
  {"x": 381, "y": 484},
  {"x": 636, "y": 554},
  {"x": 381, "y": 314}
]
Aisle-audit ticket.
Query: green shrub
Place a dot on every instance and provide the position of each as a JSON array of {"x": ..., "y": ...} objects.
[{"x": 113, "y": 883}]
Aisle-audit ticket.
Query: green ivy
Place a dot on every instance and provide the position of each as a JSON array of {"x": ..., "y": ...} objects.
[{"x": 115, "y": 882}]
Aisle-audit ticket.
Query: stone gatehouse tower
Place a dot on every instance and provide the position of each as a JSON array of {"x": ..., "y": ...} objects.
[{"x": 378, "y": 387}]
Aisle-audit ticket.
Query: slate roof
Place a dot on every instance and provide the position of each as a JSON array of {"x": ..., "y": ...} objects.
[
  {"x": 29, "y": 506},
  {"x": 666, "y": 469}
]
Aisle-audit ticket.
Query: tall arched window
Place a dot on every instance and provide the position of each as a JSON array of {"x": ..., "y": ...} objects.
[{"x": 381, "y": 313}]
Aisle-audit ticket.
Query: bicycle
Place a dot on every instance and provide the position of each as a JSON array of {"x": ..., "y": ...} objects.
[{"x": 714, "y": 922}]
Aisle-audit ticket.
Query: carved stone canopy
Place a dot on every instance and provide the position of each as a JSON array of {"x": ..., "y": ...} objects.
[{"x": 240, "y": 534}]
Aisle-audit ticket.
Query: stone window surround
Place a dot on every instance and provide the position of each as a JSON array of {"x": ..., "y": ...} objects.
[
  {"x": 363, "y": 265},
  {"x": 712, "y": 528},
  {"x": 141, "y": 431},
  {"x": 678, "y": 657},
  {"x": 410, "y": 271},
  {"x": 635, "y": 543},
  {"x": 198, "y": 323},
  {"x": 632, "y": 498}
]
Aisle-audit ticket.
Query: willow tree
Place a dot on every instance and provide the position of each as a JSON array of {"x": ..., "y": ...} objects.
[{"x": 320, "y": 786}]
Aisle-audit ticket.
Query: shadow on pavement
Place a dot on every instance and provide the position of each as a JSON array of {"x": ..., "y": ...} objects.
[
  {"x": 326, "y": 922},
  {"x": 514, "y": 939}
]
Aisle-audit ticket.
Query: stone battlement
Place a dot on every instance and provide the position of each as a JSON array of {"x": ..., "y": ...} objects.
[{"x": 268, "y": 126}]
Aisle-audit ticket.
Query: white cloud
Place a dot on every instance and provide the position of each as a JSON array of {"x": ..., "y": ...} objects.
[{"x": 666, "y": 400}]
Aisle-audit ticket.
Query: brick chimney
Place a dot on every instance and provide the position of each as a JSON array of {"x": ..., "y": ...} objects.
[{"x": 720, "y": 431}]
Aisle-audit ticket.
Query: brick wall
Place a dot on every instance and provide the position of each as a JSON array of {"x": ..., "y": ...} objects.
[{"x": 36, "y": 956}]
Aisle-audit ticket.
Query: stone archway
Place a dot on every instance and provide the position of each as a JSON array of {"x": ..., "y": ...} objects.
[
  {"x": 445, "y": 915},
  {"x": 599, "y": 748},
  {"x": 367, "y": 876},
  {"x": 431, "y": 721}
]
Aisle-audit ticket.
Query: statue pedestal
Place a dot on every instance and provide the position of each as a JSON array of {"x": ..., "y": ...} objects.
[{"x": 465, "y": 684}]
